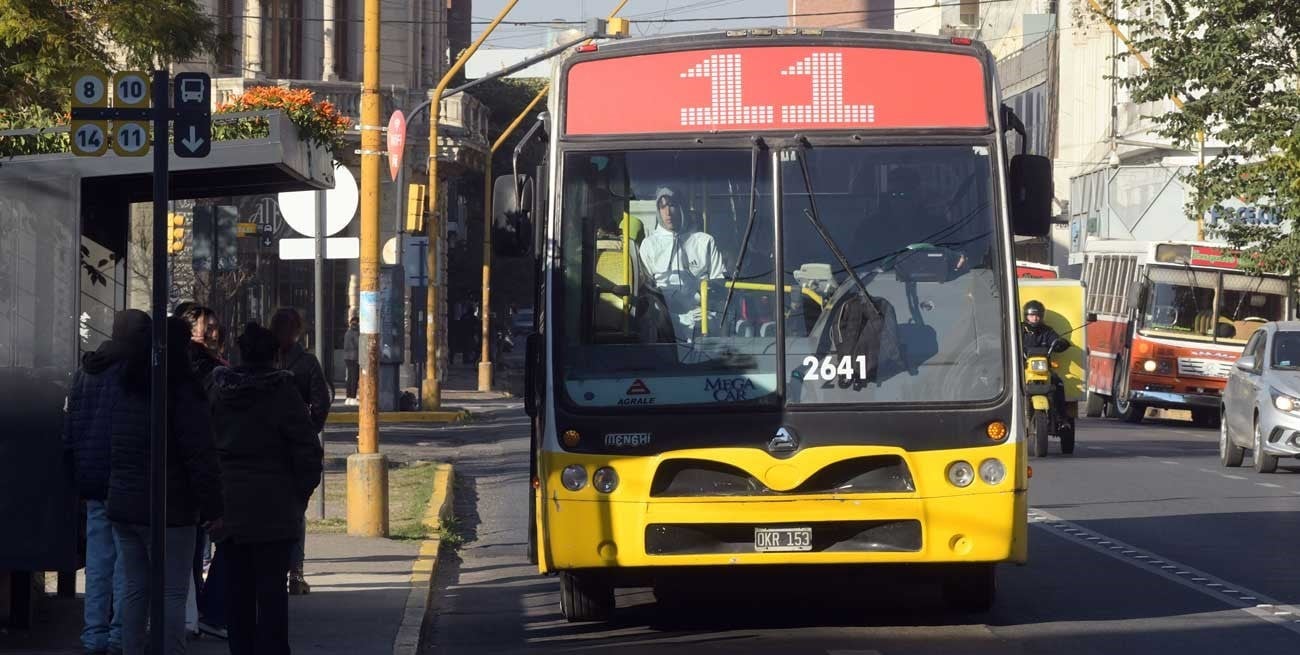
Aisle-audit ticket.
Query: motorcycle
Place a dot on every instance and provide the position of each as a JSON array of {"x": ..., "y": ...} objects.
[{"x": 1046, "y": 417}]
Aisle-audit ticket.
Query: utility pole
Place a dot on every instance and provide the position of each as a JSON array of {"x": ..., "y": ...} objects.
[
  {"x": 368, "y": 469},
  {"x": 431, "y": 388}
]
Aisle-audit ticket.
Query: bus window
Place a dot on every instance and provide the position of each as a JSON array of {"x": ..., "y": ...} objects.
[
  {"x": 1249, "y": 302},
  {"x": 916, "y": 225},
  {"x": 654, "y": 309}
]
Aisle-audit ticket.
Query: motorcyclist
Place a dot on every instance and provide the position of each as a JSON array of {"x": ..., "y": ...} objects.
[{"x": 1038, "y": 338}]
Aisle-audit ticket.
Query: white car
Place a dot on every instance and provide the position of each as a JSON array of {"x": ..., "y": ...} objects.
[{"x": 1261, "y": 404}]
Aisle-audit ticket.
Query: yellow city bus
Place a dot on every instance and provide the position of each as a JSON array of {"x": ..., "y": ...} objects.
[{"x": 776, "y": 311}]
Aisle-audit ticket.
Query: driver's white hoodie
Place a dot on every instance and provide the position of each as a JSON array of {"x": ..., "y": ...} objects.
[{"x": 675, "y": 259}]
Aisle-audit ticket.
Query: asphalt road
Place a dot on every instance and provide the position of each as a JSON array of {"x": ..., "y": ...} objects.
[{"x": 1140, "y": 543}]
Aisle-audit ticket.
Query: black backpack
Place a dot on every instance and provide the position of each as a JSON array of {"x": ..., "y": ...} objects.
[{"x": 867, "y": 326}]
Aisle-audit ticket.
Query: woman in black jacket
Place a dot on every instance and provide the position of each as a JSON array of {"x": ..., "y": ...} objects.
[
  {"x": 193, "y": 489},
  {"x": 270, "y": 465}
]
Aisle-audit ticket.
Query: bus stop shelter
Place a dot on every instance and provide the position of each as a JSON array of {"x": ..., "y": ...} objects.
[{"x": 48, "y": 203}]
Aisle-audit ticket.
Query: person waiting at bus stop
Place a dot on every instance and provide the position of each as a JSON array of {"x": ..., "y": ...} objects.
[
  {"x": 676, "y": 257},
  {"x": 270, "y": 465},
  {"x": 97, "y": 391}
]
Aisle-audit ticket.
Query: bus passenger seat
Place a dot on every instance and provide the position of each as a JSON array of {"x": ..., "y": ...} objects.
[
  {"x": 767, "y": 330},
  {"x": 613, "y": 291}
]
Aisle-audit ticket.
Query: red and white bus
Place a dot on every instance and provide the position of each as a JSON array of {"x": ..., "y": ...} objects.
[
  {"x": 1172, "y": 318},
  {"x": 1038, "y": 271}
]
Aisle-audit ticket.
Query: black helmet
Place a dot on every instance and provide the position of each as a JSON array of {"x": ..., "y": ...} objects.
[{"x": 1034, "y": 307}]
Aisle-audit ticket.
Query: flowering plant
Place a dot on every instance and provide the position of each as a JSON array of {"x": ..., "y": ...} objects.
[{"x": 319, "y": 122}]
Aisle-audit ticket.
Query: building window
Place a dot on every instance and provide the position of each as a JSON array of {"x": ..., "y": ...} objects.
[
  {"x": 342, "y": 34},
  {"x": 282, "y": 43},
  {"x": 880, "y": 15},
  {"x": 227, "y": 38},
  {"x": 970, "y": 12}
]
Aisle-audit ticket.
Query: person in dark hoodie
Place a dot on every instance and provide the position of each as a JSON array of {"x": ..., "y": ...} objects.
[
  {"x": 98, "y": 389},
  {"x": 203, "y": 359},
  {"x": 270, "y": 465},
  {"x": 193, "y": 489},
  {"x": 314, "y": 389}
]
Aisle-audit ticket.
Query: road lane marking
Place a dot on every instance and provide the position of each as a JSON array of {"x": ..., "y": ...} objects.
[
  {"x": 1232, "y": 477},
  {"x": 1165, "y": 461},
  {"x": 1270, "y": 485},
  {"x": 1236, "y": 596}
]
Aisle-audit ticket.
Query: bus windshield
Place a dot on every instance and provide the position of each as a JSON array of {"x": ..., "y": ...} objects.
[
  {"x": 669, "y": 262},
  {"x": 1226, "y": 307}
]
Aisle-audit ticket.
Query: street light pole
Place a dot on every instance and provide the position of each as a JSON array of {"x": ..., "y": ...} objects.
[
  {"x": 432, "y": 391},
  {"x": 367, "y": 506}
]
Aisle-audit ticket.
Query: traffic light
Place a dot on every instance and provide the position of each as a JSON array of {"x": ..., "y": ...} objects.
[
  {"x": 415, "y": 208},
  {"x": 175, "y": 233}
]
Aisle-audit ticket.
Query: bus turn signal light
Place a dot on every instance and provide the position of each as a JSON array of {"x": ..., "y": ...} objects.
[
  {"x": 997, "y": 430},
  {"x": 571, "y": 438}
]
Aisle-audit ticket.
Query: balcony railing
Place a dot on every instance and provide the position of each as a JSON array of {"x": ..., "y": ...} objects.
[{"x": 463, "y": 118}]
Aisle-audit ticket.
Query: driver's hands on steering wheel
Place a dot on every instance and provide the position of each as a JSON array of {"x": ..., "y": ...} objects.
[{"x": 690, "y": 319}]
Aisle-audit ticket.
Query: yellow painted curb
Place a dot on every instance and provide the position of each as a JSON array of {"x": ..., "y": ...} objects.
[
  {"x": 445, "y": 416},
  {"x": 425, "y": 566}
]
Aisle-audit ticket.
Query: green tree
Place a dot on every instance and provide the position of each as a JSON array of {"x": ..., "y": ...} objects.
[
  {"x": 44, "y": 44},
  {"x": 1236, "y": 67}
]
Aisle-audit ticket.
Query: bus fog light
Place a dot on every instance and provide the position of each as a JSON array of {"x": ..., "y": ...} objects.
[
  {"x": 960, "y": 474},
  {"x": 992, "y": 471},
  {"x": 605, "y": 480},
  {"x": 1149, "y": 366},
  {"x": 574, "y": 477}
]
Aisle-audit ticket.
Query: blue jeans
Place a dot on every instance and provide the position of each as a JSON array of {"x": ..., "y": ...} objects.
[
  {"x": 133, "y": 550},
  {"x": 104, "y": 583}
]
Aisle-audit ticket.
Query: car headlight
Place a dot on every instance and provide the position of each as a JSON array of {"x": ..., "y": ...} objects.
[
  {"x": 605, "y": 480},
  {"x": 1038, "y": 365},
  {"x": 1285, "y": 402},
  {"x": 574, "y": 477},
  {"x": 960, "y": 474},
  {"x": 1149, "y": 366}
]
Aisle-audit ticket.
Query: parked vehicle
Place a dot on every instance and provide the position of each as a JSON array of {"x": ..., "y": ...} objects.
[{"x": 1261, "y": 405}]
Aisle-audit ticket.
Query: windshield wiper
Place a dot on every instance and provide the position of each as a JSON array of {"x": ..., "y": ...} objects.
[
  {"x": 815, "y": 219},
  {"x": 759, "y": 144}
]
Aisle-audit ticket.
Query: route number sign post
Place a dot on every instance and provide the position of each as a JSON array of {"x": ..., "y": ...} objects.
[{"x": 124, "y": 123}]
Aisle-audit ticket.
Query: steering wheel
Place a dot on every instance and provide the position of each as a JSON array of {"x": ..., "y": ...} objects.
[{"x": 1255, "y": 319}]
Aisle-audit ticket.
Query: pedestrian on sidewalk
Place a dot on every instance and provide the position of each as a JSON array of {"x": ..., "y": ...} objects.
[
  {"x": 315, "y": 391},
  {"x": 97, "y": 392},
  {"x": 270, "y": 465},
  {"x": 193, "y": 489},
  {"x": 203, "y": 360},
  {"x": 352, "y": 358}
]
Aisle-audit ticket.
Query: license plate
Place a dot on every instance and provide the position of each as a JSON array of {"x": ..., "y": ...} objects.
[{"x": 778, "y": 540}]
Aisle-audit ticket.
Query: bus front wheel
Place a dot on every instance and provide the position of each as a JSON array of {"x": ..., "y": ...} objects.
[
  {"x": 970, "y": 588},
  {"x": 1129, "y": 412},
  {"x": 585, "y": 597}
]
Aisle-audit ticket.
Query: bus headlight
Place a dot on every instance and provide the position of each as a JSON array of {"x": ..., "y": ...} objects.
[
  {"x": 574, "y": 477},
  {"x": 992, "y": 471},
  {"x": 605, "y": 480},
  {"x": 960, "y": 474},
  {"x": 1149, "y": 366}
]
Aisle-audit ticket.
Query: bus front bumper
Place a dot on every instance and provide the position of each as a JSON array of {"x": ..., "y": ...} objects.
[
  {"x": 1175, "y": 400},
  {"x": 974, "y": 525}
]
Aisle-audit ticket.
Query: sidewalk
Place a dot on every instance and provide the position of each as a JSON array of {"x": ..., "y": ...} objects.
[
  {"x": 460, "y": 399},
  {"x": 359, "y": 590}
]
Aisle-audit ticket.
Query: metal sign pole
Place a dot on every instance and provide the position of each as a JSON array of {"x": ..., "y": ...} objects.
[
  {"x": 158, "y": 385},
  {"x": 318, "y": 282}
]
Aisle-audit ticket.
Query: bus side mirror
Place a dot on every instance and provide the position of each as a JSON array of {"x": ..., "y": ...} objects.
[
  {"x": 1090, "y": 318},
  {"x": 1031, "y": 195},
  {"x": 512, "y": 222}
]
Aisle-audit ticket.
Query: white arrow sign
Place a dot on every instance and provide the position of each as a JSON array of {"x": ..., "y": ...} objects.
[{"x": 192, "y": 141}]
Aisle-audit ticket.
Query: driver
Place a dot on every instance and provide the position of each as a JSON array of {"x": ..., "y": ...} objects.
[{"x": 677, "y": 257}]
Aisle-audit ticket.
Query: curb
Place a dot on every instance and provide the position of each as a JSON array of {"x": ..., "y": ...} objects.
[
  {"x": 410, "y": 634},
  {"x": 444, "y": 416}
]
